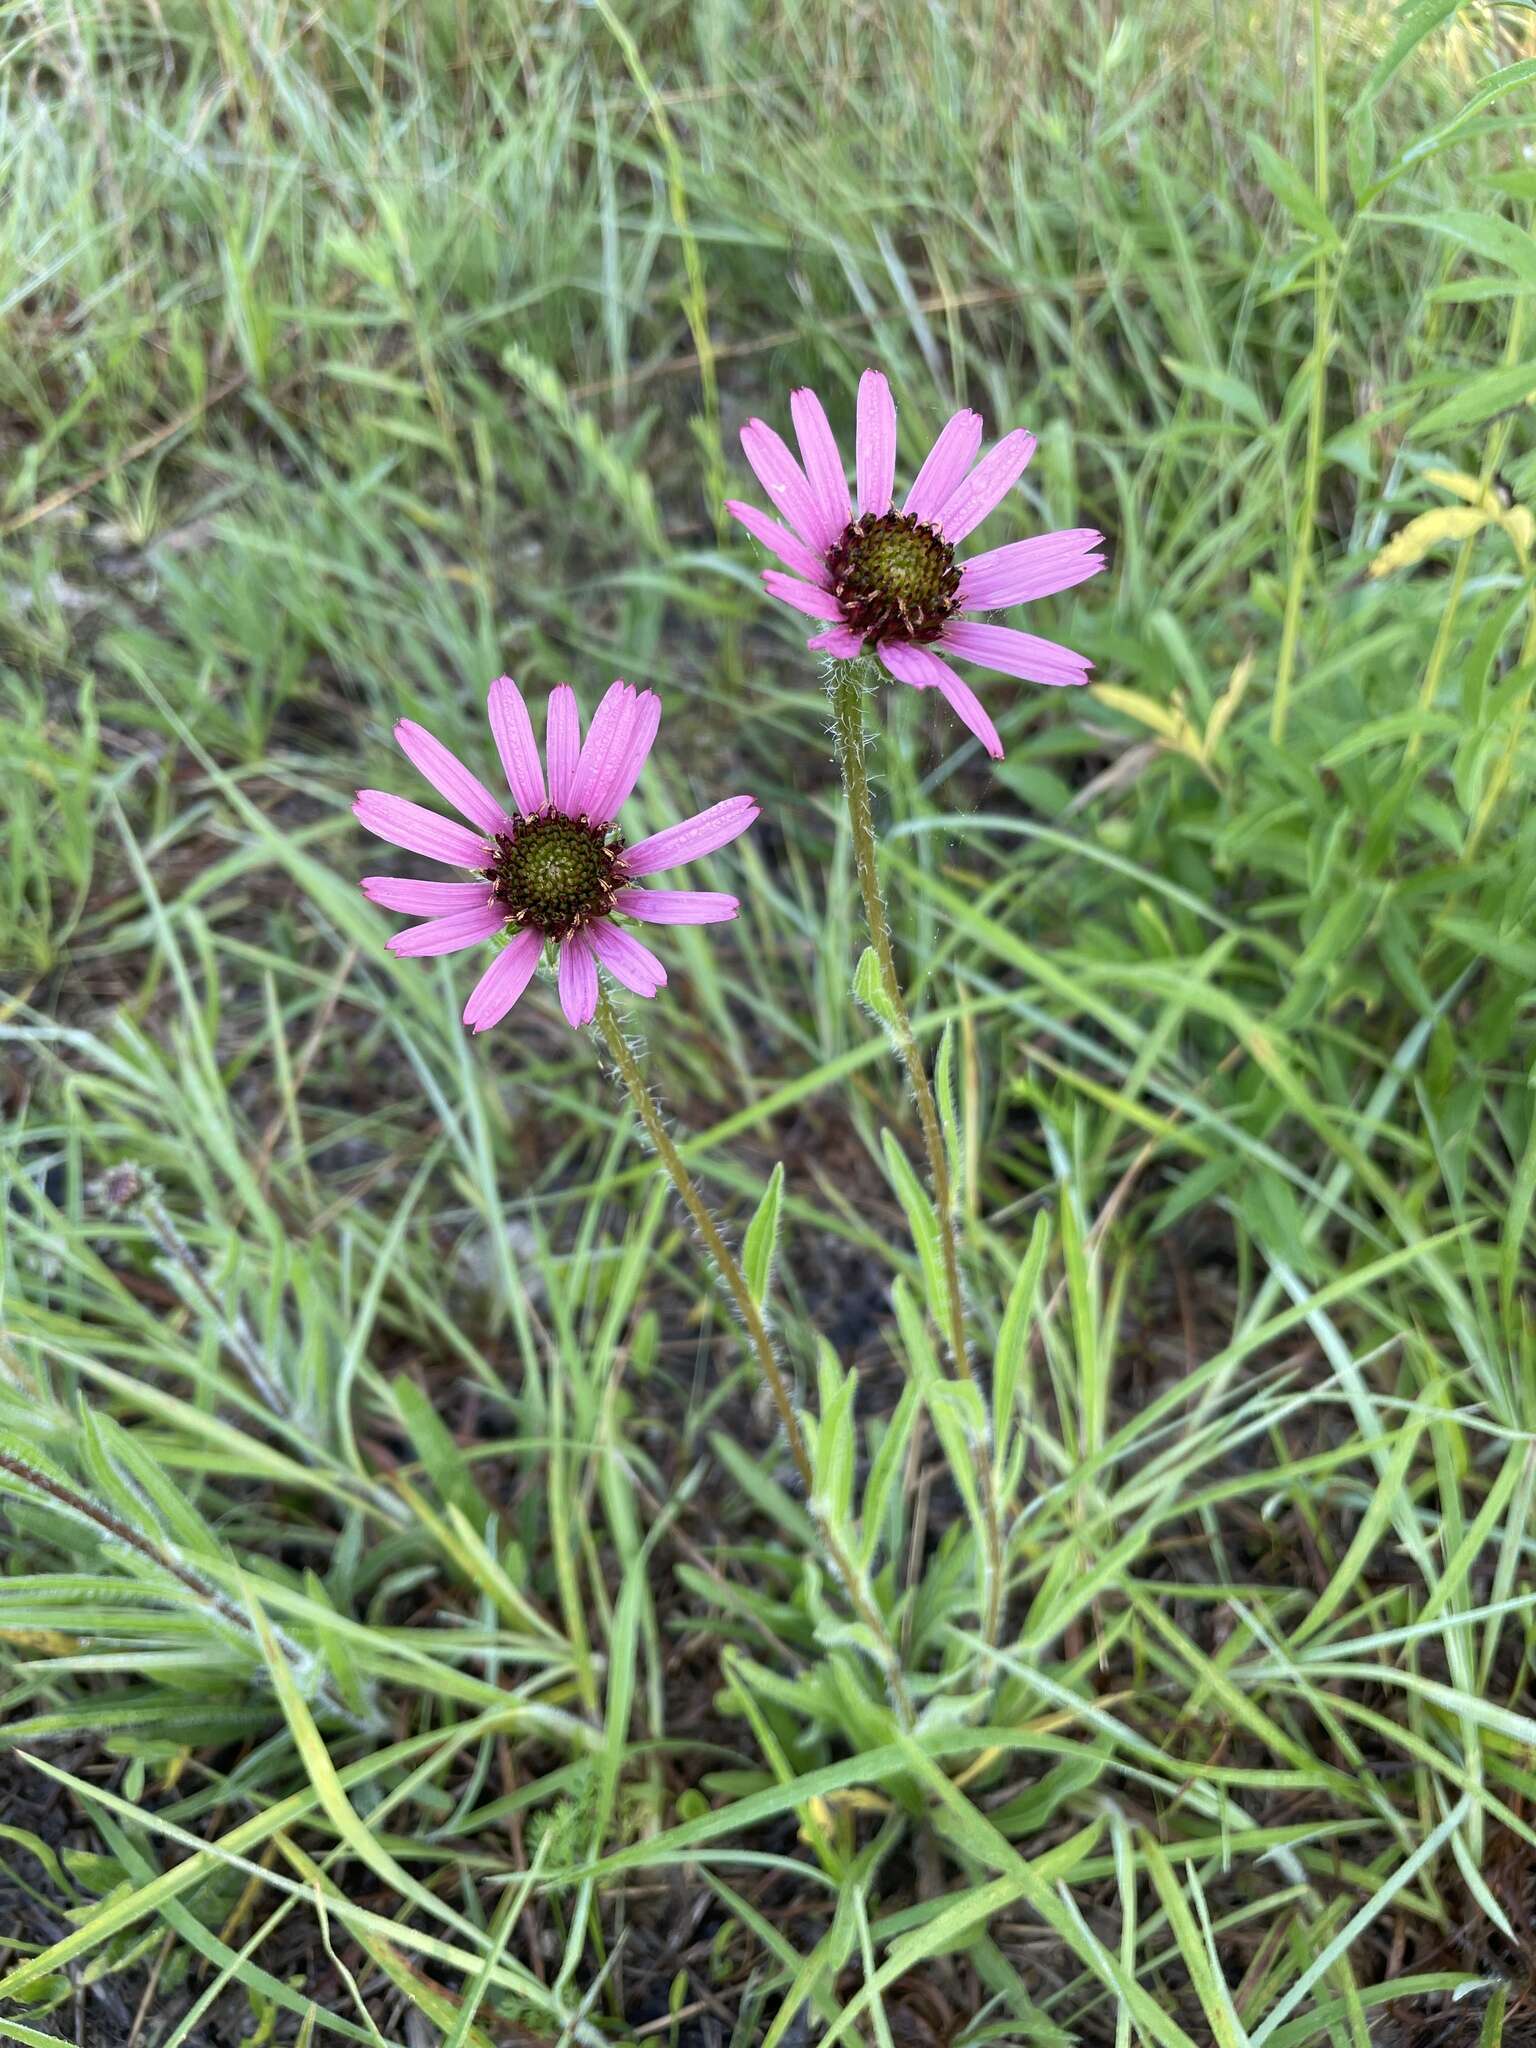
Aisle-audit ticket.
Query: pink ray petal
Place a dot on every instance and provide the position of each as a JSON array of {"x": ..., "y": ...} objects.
[
  {"x": 450, "y": 778},
  {"x": 921, "y": 667},
  {"x": 1015, "y": 653},
  {"x": 447, "y": 934},
  {"x": 787, "y": 546},
  {"x": 839, "y": 640},
  {"x": 425, "y": 899},
  {"x": 578, "y": 981},
  {"x": 948, "y": 460},
  {"x": 605, "y": 738},
  {"x": 512, "y": 730},
  {"x": 817, "y": 604},
  {"x": 875, "y": 442},
  {"x": 503, "y": 981},
  {"x": 784, "y": 481},
  {"x": 637, "y": 751},
  {"x": 562, "y": 744},
  {"x": 629, "y": 962},
  {"x": 823, "y": 460},
  {"x": 986, "y": 486},
  {"x": 419, "y": 830},
  {"x": 704, "y": 833},
  {"x": 1027, "y": 569},
  {"x": 677, "y": 906},
  {"x": 966, "y": 705}
]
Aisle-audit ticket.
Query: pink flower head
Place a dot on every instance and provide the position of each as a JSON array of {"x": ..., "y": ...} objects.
[
  {"x": 550, "y": 868},
  {"x": 889, "y": 579}
]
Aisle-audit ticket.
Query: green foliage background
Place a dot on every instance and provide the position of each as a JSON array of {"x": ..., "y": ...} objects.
[{"x": 402, "y": 1591}]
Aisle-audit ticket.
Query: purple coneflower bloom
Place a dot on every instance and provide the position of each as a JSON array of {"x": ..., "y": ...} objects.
[
  {"x": 890, "y": 579},
  {"x": 550, "y": 867}
]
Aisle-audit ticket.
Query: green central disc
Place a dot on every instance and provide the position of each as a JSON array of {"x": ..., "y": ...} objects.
[
  {"x": 894, "y": 577},
  {"x": 556, "y": 874}
]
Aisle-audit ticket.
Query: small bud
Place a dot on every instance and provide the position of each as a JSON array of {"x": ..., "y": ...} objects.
[{"x": 120, "y": 1187}]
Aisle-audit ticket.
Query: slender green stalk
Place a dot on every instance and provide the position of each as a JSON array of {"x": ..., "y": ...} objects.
[
  {"x": 848, "y": 717},
  {"x": 848, "y": 723},
  {"x": 695, "y": 303},
  {"x": 1322, "y": 289},
  {"x": 762, "y": 1344},
  {"x": 696, "y": 297}
]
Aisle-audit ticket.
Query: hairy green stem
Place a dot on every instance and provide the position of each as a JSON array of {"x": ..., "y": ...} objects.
[
  {"x": 762, "y": 1344},
  {"x": 848, "y": 724},
  {"x": 848, "y": 719}
]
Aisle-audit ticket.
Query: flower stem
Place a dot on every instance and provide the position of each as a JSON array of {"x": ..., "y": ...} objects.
[
  {"x": 848, "y": 723},
  {"x": 762, "y": 1345},
  {"x": 848, "y": 716}
]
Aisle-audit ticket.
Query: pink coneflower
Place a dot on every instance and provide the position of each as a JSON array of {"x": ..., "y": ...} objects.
[
  {"x": 889, "y": 579},
  {"x": 551, "y": 869}
]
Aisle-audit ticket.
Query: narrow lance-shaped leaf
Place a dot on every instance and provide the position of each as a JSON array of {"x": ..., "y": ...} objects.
[
  {"x": 1475, "y": 399},
  {"x": 1013, "y": 1337},
  {"x": 1487, "y": 236},
  {"x": 922, "y": 1223},
  {"x": 885, "y": 1469},
  {"x": 762, "y": 1238},
  {"x": 959, "y": 1420},
  {"x": 869, "y": 989},
  {"x": 1292, "y": 190},
  {"x": 834, "y": 1448},
  {"x": 1416, "y": 20},
  {"x": 746, "y": 1468},
  {"x": 949, "y": 1116},
  {"x": 1509, "y": 79},
  {"x": 445, "y": 1463}
]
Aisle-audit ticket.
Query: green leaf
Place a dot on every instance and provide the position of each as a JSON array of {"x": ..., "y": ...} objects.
[
  {"x": 868, "y": 988},
  {"x": 949, "y": 1115},
  {"x": 445, "y": 1463},
  {"x": 1199, "y": 1962},
  {"x": 1031, "y": 1810},
  {"x": 922, "y": 1223},
  {"x": 885, "y": 1468},
  {"x": 1491, "y": 2032},
  {"x": 762, "y": 1237},
  {"x": 1360, "y": 149},
  {"x": 834, "y": 1450},
  {"x": 1387, "y": 1504},
  {"x": 1517, "y": 1215},
  {"x": 746, "y": 1468},
  {"x": 1223, "y": 387},
  {"x": 1476, "y": 399},
  {"x": 1415, "y": 21},
  {"x": 1507, "y": 80},
  {"x": 954, "y": 1406},
  {"x": 1013, "y": 1337},
  {"x": 1487, "y": 236},
  {"x": 1292, "y": 191}
]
